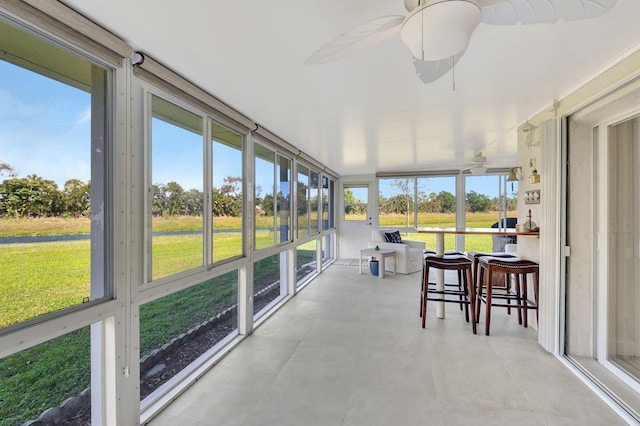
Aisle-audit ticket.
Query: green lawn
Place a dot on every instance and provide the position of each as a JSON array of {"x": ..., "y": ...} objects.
[
  {"x": 441, "y": 220},
  {"x": 42, "y": 377},
  {"x": 163, "y": 319},
  {"x": 39, "y": 278}
]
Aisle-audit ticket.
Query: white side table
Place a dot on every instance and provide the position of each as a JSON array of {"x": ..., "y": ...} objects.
[{"x": 381, "y": 255}]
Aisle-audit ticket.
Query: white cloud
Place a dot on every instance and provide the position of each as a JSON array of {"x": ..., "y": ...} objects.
[{"x": 84, "y": 117}]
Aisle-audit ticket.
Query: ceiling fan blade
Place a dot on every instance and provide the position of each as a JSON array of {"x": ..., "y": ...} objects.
[
  {"x": 430, "y": 71},
  {"x": 511, "y": 12},
  {"x": 361, "y": 37}
]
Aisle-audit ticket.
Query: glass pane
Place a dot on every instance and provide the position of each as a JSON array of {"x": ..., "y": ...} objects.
[
  {"x": 303, "y": 201},
  {"x": 485, "y": 204},
  {"x": 328, "y": 253},
  {"x": 332, "y": 203},
  {"x": 265, "y": 160},
  {"x": 284, "y": 199},
  {"x": 581, "y": 284},
  {"x": 396, "y": 202},
  {"x": 623, "y": 290},
  {"x": 177, "y": 202},
  {"x": 314, "y": 226},
  {"x": 355, "y": 202},
  {"x": 602, "y": 305},
  {"x": 325, "y": 203},
  {"x": 42, "y": 377},
  {"x": 436, "y": 208},
  {"x": 269, "y": 283},
  {"x": 306, "y": 266},
  {"x": 52, "y": 116},
  {"x": 226, "y": 149},
  {"x": 199, "y": 318}
]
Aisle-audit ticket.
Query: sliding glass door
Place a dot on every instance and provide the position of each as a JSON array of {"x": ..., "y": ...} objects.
[
  {"x": 602, "y": 276},
  {"x": 622, "y": 258}
]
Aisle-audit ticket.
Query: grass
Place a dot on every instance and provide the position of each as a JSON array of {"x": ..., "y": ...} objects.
[
  {"x": 442, "y": 220},
  {"x": 41, "y": 377},
  {"x": 46, "y": 277},
  {"x": 306, "y": 253},
  {"x": 42, "y": 278},
  {"x": 165, "y": 318},
  {"x": 171, "y": 254},
  {"x": 39, "y": 278},
  {"x": 43, "y": 226},
  {"x": 267, "y": 272}
]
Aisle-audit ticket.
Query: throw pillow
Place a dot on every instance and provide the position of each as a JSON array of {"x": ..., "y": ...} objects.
[{"x": 393, "y": 237}]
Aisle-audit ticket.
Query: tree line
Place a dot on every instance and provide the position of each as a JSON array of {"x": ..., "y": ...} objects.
[
  {"x": 442, "y": 202},
  {"x": 172, "y": 200},
  {"x": 34, "y": 196}
]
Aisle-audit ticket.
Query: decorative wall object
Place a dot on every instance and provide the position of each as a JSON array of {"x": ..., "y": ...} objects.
[{"x": 532, "y": 197}]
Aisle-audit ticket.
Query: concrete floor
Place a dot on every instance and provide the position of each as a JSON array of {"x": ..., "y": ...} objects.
[{"x": 349, "y": 350}]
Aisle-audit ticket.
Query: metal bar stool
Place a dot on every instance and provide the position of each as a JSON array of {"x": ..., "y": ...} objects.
[
  {"x": 462, "y": 293},
  {"x": 517, "y": 268}
]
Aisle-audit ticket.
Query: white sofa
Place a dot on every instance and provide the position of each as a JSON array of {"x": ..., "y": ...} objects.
[{"x": 409, "y": 254}]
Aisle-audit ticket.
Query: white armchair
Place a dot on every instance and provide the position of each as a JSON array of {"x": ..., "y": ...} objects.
[{"x": 409, "y": 254}]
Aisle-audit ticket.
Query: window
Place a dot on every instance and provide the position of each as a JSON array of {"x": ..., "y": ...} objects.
[
  {"x": 314, "y": 225},
  {"x": 226, "y": 153},
  {"x": 269, "y": 282},
  {"x": 176, "y": 201},
  {"x": 199, "y": 317},
  {"x": 332, "y": 203},
  {"x": 283, "y": 224},
  {"x": 307, "y": 265},
  {"x": 408, "y": 202},
  {"x": 54, "y": 147},
  {"x": 308, "y": 199},
  {"x": 437, "y": 207},
  {"x": 431, "y": 202},
  {"x": 486, "y": 206},
  {"x": 437, "y": 201},
  {"x": 303, "y": 200},
  {"x": 273, "y": 218},
  {"x": 44, "y": 376},
  {"x": 265, "y": 160},
  {"x": 396, "y": 201},
  {"x": 355, "y": 202},
  {"x": 327, "y": 203},
  {"x": 328, "y": 250}
]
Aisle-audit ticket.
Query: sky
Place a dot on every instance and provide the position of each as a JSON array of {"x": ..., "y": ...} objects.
[
  {"x": 485, "y": 184},
  {"x": 45, "y": 130},
  {"x": 44, "y": 126}
]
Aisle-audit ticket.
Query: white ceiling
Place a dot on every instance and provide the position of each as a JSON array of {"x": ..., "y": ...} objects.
[{"x": 369, "y": 112}]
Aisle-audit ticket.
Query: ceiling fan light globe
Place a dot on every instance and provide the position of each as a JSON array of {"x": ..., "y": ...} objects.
[
  {"x": 440, "y": 28},
  {"x": 478, "y": 170}
]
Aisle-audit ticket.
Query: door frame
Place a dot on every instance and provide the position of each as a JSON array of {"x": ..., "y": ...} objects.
[{"x": 354, "y": 235}]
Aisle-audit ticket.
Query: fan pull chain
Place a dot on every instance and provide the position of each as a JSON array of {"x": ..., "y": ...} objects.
[
  {"x": 453, "y": 73},
  {"x": 421, "y": 30}
]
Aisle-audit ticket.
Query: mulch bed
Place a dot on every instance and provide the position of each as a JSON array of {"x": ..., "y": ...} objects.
[{"x": 175, "y": 360}]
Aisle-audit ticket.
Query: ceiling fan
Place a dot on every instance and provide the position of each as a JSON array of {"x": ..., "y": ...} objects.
[
  {"x": 478, "y": 164},
  {"x": 437, "y": 32}
]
